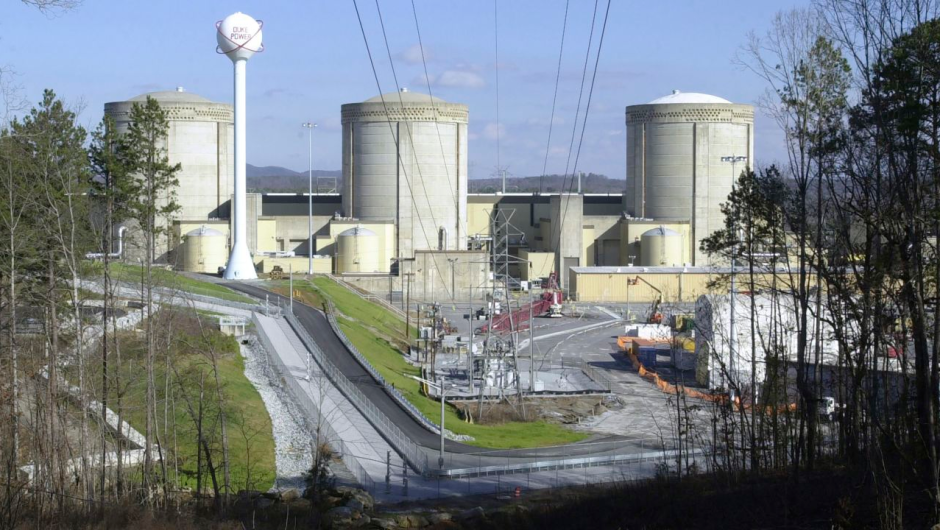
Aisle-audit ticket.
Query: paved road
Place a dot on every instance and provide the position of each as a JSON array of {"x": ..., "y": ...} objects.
[{"x": 317, "y": 325}]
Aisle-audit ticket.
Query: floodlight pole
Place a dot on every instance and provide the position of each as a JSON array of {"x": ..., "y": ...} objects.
[
  {"x": 310, "y": 127},
  {"x": 733, "y": 160}
]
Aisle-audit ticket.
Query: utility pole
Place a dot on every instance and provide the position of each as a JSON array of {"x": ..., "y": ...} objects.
[
  {"x": 443, "y": 389},
  {"x": 470, "y": 349},
  {"x": 453, "y": 266},
  {"x": 290, "y": 274},
  {"x": 531, "y": 346},
  {"x": 310, "y": 127},
  {"x": 733, "y": 160}
]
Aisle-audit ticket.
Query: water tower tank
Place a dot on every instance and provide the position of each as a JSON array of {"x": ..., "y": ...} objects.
[
  {"x": 357, "y": 250},
  {"x": 405, "y": 160},
  {"x": 661, "y": 247},
  {"x": 204, "y": 250},
  {"x": 675, "y": 171}
]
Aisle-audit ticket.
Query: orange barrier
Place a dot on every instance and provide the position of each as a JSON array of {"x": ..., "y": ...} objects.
[{"x": 627, "y": 344}]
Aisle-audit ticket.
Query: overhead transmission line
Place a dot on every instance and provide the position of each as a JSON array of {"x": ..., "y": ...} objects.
[
  {"x": 437, "y": 127},
  {"x": 551, "y": 121},
  {"x": 496, "y": 66},
  {"x": 388, "y": 119},
  {"x": 587, "y": 111}
]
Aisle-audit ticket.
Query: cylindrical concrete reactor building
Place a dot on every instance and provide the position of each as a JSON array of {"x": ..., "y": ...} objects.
[
  {"x": 674, "y": 169},
  {"x": 357, "y": 250},
  {"x": 405, "y": 160},
  {"x": 661, "y": 247},
  {"x": 201, "y": 138},
  {"x": 204, "y": 250}
]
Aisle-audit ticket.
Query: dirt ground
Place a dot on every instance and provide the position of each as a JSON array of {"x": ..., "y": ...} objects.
[{"x": 564, "y": 410}]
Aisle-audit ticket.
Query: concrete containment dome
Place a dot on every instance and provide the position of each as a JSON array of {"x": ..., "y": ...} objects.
[
  {"x": 405, "y": 160},
  {"x": 203, "y": 250},
  {"x": 357, "y": 251},
  {"x": 201, "y": 138},
  {"x": 675, "y": 172},
  {"x": 688, "y": 97},
  {"x": 661, "y": 247}
]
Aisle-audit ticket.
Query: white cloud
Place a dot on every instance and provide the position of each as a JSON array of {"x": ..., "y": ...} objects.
[
  {"x": 489, "y": 132},
  {"x": 458, "y": 79},
  {"x": 412, "y": 55}
]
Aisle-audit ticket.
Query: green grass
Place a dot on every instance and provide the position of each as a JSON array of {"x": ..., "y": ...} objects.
[
  {"x": 172, "y": 280},
  {"x": 393, "y": 367},
  {"x": 248, "y": 425}
]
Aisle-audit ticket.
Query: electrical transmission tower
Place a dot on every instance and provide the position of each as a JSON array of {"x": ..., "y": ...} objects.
[{"x": 499, "y": 350}]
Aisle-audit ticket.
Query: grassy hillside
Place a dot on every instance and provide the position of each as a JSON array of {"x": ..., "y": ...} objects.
[
  {"x": 124, "y": 272},
  {"x": 182, "y": 372}
]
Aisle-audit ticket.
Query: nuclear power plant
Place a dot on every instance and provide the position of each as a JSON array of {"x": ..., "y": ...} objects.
[{"x": 404, "y": 214}]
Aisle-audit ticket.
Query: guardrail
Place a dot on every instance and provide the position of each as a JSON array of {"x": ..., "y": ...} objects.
[
  {"x": 392, "y": 391},
  {"x": 313, "y": 420},
  {"x": 590, "y": 371},
  {"x": 370, "y": 297},
  {"x": 564, "y": 463},
  {"x": 406, "y": 448}
]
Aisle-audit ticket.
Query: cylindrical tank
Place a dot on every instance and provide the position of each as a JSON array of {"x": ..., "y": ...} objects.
[
  {"x": 661, "y": 247},
  {"x": 405, "y": 160},
  {"x": 675, "y": 172},
  {"x": 203, "y": 250},
  {"x": 357, "y": 250}
]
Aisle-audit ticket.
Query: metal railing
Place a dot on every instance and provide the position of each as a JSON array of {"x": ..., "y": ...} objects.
[
  {"x": 313, "y": 420},
  {"x": 370, "y": 297},
  {"x": 591, "y": 372},
  {"x": 392, "y": 391},
  {"x": 406, "y": 448}
]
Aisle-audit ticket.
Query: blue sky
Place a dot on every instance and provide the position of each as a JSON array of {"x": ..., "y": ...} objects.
[{"x": 315, "y": 60}]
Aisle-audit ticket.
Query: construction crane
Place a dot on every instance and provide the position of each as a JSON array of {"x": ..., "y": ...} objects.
[{"x": 655, "y": 317}]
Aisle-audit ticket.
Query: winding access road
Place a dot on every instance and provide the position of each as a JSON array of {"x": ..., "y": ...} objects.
[{"x": 318, "y": 327}]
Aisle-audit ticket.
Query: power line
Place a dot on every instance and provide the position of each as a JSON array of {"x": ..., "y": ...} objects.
[
  {"x": 437, "y": 127},
  {"x": 577, "y": 113},
  {"x": 401, "y": 101},
  {"x": 574, "y": 130},
  {"x": 587, "y": 108},
  {"x": 388, "y": 119},
  {"x": 496, "y": 65},
  {"x": 551, "y": 121}
]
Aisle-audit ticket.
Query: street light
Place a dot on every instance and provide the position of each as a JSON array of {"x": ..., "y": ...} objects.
[
  {"x": 310, "y": 127},
  {"x": 733, "y": 160},
  {"x": 443, "y": 389}
]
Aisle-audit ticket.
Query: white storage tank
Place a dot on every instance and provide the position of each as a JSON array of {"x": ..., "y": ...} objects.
[
  {"x": 204, "y": 250},
  {"x": 405, "y": 160},
  {"x": 675, "y": 171},
  {"x": 661, "y": 247},
  {"x": 357, "y": 251}
]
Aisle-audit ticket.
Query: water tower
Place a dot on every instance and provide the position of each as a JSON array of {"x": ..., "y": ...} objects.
[{"x": 239, "y": 37}]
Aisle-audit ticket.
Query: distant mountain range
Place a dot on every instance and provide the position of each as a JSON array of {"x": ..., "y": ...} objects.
[
  {"x": 590, "y": 183},
  {"x": 281, "y": 179}
]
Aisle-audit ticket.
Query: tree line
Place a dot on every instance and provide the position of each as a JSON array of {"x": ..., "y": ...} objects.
[
  {"x": 837, "y": 243},
  {"x": 66, "y": 193}
]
